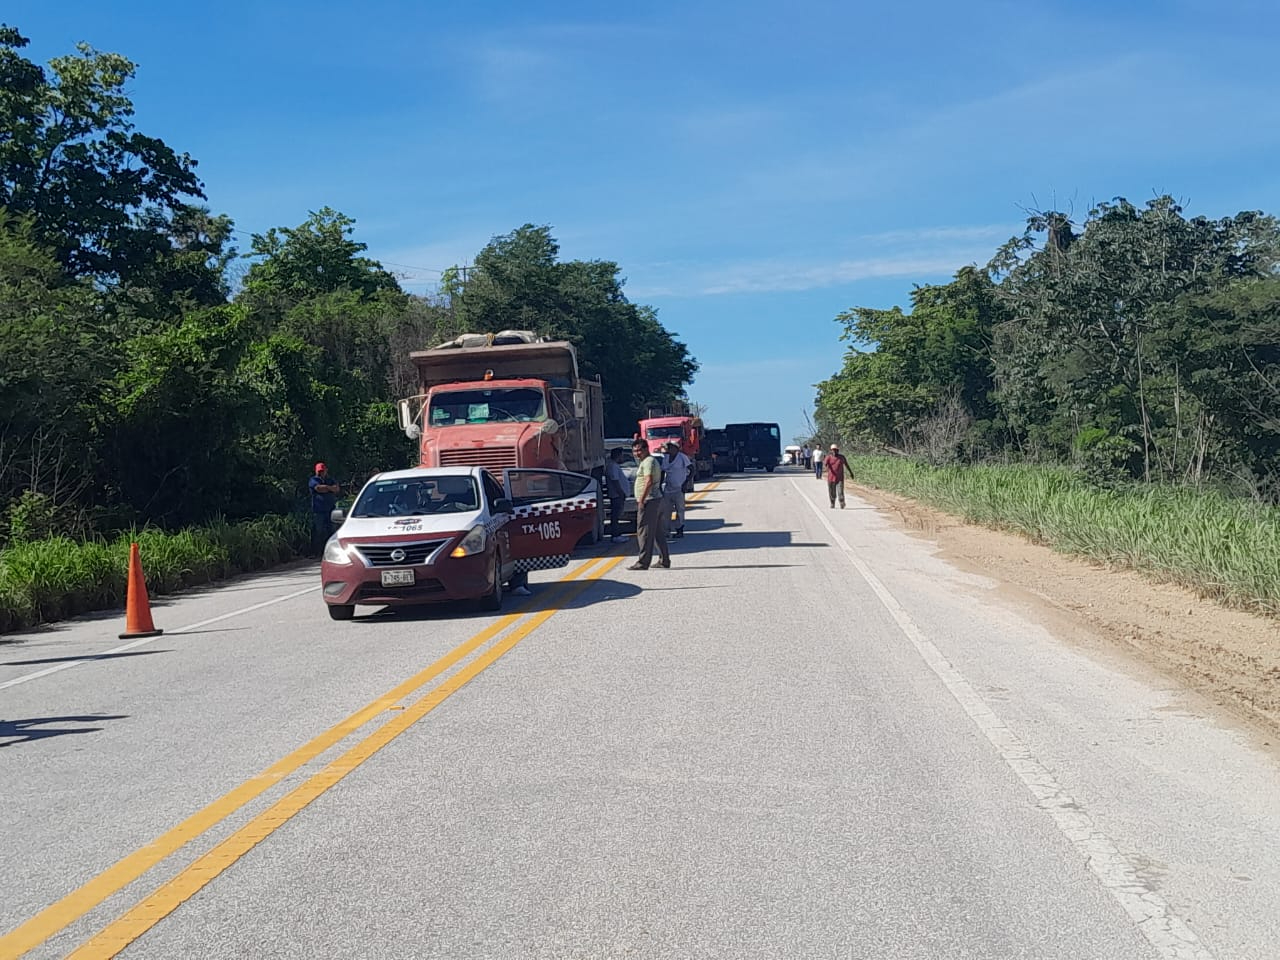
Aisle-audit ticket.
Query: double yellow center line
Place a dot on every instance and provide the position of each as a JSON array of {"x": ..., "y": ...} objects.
[
  {"x": 169, "y": 896},
  {"x": 123, "y": 931}
]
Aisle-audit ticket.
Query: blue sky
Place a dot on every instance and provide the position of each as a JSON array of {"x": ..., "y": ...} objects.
[{"x": 754, "y": 168}]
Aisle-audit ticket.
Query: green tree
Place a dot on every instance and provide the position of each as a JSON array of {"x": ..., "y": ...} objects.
[
  {"x": 52, "y": 357},
  {"x": 905, "y": 373},
  {"x": 518, "y": 282},
  {"x": 1076, "y": 362},
  {"x": 71, "y": 160}
]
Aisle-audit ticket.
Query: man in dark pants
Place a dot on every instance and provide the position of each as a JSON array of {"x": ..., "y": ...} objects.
[
  {"x": 650, "y": 530},
  {"x": 616, "y": 481},
  {"x": 835, "y": 465},
  {"x": 324, "y": 494}
]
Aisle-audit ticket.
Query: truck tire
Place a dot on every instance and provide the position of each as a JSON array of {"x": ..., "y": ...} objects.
[{"x": 769, "y": 467}]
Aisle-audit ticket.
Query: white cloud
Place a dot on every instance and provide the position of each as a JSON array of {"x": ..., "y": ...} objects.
[{"x": 920, "y": 254}]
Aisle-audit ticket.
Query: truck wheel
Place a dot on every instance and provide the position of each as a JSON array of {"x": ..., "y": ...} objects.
[{"x": 769, "y": 467}]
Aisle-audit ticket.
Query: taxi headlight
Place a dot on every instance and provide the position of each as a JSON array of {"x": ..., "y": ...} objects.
[
  {"x": 473, "y": 543},
  {"x": 334, "y": 552}
]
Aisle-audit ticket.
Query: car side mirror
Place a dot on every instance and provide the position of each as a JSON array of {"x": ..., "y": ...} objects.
[
  {"x": 337, "y": 516},
  {"x": 503, "y": 505}
]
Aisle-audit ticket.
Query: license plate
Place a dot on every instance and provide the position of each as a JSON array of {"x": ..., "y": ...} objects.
[{"x": 397, "y": 578}]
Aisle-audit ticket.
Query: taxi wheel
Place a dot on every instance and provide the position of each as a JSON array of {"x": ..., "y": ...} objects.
[
  {"x": 341, "y": 611},
  {"x": 492, "y": 600}
]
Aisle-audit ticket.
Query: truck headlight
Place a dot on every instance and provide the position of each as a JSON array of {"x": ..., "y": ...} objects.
[
  {"x": 334, "y": 552},
  {"x": 473, "y": 543}
]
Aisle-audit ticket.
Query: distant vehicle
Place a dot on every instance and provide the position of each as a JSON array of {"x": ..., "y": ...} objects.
[
  {"x": 684, "y": 428},
  {"x": 791, "y": 456},
  {"x": 757, "y": 444},
  {"x": 723, "y": 457},
  {"x": 629, "y": 469},
  {"x": 452, "y": 533},
  {"x": 507, "y": 399}
]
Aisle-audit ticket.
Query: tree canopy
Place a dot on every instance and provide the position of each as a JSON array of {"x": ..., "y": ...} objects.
[
  {"x": 138, "y": 383},
  {"x": 1139, "y": 344},
  {"x": 519, "y": 283}
]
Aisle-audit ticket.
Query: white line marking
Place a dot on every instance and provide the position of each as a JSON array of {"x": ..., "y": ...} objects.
[
  {"x": 1163, "y": 929},
  {"x": 138, "y": 643}
]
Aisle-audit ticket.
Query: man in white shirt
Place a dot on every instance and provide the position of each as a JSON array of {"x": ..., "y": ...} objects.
[{"x": 676, "y": 469}]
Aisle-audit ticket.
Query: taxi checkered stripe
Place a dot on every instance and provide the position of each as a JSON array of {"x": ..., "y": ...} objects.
[
  {"x": 542, "y": 563},
  {"x": 556, "y": 507}
]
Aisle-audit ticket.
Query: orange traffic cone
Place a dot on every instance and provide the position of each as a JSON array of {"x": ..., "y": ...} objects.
[{"x": 137, "y": 611}]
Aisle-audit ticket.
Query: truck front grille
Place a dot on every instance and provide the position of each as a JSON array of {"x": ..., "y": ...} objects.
[{"x": 495, "y": 459}]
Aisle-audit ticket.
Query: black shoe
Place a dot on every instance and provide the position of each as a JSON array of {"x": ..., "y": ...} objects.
[
  {"x": 638, "y": 566},
  {"x": 664, "y": 563}
]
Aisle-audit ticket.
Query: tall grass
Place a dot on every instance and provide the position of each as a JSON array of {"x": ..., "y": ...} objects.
[
  {"x": 1225, "y": 548},
  {"x": 52, "y": 579}
]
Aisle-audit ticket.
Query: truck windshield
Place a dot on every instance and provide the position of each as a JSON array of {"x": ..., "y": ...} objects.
[
  {"x": 460, "y": 407},
  {"x": 653, "y": 433}
]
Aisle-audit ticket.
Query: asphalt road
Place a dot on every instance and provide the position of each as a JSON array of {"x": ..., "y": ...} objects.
[{"x": 811, "y": 737}]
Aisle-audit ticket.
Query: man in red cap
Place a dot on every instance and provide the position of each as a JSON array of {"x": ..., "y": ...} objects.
[{"x": 324, "y": 494}]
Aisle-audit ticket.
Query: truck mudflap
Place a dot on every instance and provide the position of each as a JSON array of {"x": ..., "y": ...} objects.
[{"x": 554, "y": 509}]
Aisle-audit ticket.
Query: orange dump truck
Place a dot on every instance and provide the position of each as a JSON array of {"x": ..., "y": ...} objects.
[
  {"x": 685, "y": 429},
  {"x": 506, "y": 400}
]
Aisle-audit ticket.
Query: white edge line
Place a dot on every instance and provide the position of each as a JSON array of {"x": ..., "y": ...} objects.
[
  {"x": 187, "y": 629},
  {"x": 145, "y": 640},
  {"x": 1155, "y": 920}
]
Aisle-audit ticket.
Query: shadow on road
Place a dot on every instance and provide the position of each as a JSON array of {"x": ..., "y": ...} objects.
[
  {"x": 14, "y": 732},
  {"x": 546, "y": 596},
  {"x": 86, "y": 657}
]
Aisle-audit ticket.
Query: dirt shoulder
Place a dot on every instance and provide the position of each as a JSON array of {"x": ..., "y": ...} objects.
[{"x": 1230, "y": 655}]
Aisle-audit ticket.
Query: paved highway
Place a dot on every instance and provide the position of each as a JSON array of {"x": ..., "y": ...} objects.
[{"x": 811, "y": 737}]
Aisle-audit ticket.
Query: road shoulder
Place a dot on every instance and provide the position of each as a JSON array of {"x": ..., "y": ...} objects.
[{"x": 1229, "y": 655}]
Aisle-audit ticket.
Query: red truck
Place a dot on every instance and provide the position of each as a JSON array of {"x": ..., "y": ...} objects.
[
  {"x": 684, "y": 428},
  {"x": 506, "y": 400}
]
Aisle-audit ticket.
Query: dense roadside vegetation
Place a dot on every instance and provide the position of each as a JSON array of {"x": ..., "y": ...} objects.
[
  {"x": 57, "y": 577},
  {"x": 1110, "y": 387},
  {"x": 152, "y": 375},
  {"x": 1223, "y": 547}
]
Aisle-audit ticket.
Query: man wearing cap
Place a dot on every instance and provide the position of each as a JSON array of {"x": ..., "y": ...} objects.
[
  {"x": 834, "y": 464},
  {"x": 324, "y": 494}
]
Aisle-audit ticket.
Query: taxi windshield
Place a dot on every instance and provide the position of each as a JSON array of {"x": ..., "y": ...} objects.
[
  {"x": 499, "y": 405},
  {"x": 417, "y": 497}
]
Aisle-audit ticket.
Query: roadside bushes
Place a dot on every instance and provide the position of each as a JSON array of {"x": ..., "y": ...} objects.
[
  {"x": 1225, "y": 548},
  {"x": 54, "y": 578}
]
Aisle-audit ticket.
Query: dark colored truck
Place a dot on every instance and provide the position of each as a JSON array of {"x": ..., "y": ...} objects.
[
  {"x": 724, "y": 458},
  {"x": 756, "y": 444}
]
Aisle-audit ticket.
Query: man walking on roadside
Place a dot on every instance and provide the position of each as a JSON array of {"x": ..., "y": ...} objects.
[
  {"x": 649, "y": 506},
  {"x": 835, "y": 464},
  {"x": 675, "y": 474},
  {"x": 324, "y": 494}
]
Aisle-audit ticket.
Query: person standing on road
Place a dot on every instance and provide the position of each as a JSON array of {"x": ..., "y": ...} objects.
[
  {"x": 675, "y": 473},
  {"x": 617, "y": 482},
  {"x": 649, "y": 506},
  {"x": 324, "y": 494},
  {"x": 806, "y": 456},
  {"x": 835, "y": 465},
  {"x": 817, "y": 461}
]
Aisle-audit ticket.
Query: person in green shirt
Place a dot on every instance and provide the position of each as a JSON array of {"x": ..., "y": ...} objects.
[{"x": 649, "y": 506}]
